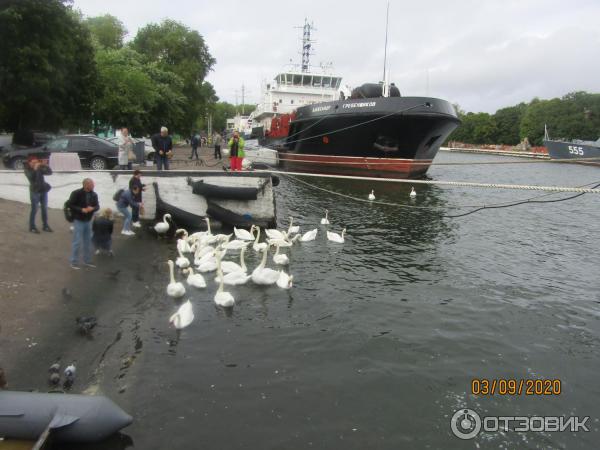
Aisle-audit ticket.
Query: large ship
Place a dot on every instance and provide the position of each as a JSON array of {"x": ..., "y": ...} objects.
[{"x": 371, "y": 131}]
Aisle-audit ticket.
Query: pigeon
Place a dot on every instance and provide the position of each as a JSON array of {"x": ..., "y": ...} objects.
[
  {"x": 69, "y": 375},
  {"x": 54, "y": 371},
  {"x": 86, "y": 324}
]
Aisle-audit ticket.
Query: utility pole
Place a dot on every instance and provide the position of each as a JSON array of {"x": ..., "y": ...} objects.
[{"x": 243, "y": 99}]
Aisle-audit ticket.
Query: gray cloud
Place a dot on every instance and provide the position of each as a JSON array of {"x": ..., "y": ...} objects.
[{"x": 483, "y": 55}]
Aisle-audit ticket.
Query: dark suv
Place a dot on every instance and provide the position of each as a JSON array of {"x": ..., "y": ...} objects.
[{"x": 94, "y": 152}]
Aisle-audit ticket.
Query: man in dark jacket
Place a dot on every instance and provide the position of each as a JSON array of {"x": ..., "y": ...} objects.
[
  {"x": 163, "y": 148},
  {"x": 136, "y": 180},
  {"x": 195, "y": 141},
  {"x": 38, "y": 192},
  {"x": 83, "y": 203}
]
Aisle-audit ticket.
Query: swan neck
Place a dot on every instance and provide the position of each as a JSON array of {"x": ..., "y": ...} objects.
[
  {"x": 263, "y": 262},
  {"x": 171, "y": 272},
  {"x": 242, "y": 262}
]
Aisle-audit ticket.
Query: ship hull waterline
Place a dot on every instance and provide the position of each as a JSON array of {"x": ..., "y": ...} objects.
[{"x": 354, "y": 166}]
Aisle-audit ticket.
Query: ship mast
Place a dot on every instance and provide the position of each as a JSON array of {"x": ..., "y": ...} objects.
[
  {"x": 385, "y": 80},
  {"x": 306, "y": 45}
]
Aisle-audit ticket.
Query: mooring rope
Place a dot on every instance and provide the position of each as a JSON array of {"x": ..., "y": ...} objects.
[
  {"x": 446, "y": 183},
  {"x": 477, "y": 207}
]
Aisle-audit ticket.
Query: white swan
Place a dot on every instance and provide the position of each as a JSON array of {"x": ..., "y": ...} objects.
[
  {"x": 183, "y": 317},
  {"x": 174, "y": 289},
  {"x": 282, "y": 259},
  {"x": 230, "y": 266},
  {"x": 195, "y": 279},
  {"x": 183, "y": 243},
  {"x": 222, "y": 298},
  {"x": 412, "y": 194},
  {"x": 272, "y": 233},
  {"x": 325, "y": 220},
  {"x": 334, "y": 237},
  {"x": 182, "y": 262},
  {"x": 292, "y": 229},
  {"x": 244, "y": 235},
  {"x": 284, "y": 281},
  {"x": 284, "y": 242},
  {"x": 163, "y": 227},
  {"x": 236, "y": 245},
  {"x": 201, "y": 252},
  {"x": 234, "y": 278},
  {"x": 264, "y": 275},
  {"x": 309, "y": 236},
  {"x": 372, "y": 195},
  {"x": 209, "y": 265},
  {"x": 258, "y": 247}
]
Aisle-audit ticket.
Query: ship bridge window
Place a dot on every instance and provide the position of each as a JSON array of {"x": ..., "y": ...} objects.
[
  {"x": 317, "y": 81},
  {"x": 292, "y": 101},
  {"x": 297, "y": 80},
  {"x": 306, "y": 81},
  {"x": 326, "y": 82}
]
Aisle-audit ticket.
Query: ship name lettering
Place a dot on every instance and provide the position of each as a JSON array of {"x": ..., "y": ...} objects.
[{"x": 359, "y": 105}]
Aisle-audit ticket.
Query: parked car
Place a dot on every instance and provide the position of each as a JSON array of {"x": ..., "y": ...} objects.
[
  {"x": 148, "y": 149},
  {"x": 94, "y": 152}
]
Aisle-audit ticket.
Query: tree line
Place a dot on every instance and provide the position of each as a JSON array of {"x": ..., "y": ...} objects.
[
  {"x": 62, "y": 71},
  {"x": 573, "y": 116}
]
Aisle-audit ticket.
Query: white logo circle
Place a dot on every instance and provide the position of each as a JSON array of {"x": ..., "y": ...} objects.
[{"x": 465, "y": 424}]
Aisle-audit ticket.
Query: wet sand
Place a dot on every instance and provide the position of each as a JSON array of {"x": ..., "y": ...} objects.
[{"x": 42, "y": 296}]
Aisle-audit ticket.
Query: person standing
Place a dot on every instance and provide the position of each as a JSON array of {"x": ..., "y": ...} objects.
[
  {"x": 103, "y": 228},
  {"x": 38, "y": 192},
  {"x": 126, "y": 200},
  {"x": 195, "y": 141},
  {"x": 136, "y": 180},
  {"x": 218, "y": 141},
  {"x": 125, "y": 147},
  {"x": 163, "y": 148},
  {"x": 83, "y": 203},
  {"x": 236, "y": 151}
]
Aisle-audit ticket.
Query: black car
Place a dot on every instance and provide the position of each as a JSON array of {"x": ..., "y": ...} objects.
[{"x": 94, "y": 152}]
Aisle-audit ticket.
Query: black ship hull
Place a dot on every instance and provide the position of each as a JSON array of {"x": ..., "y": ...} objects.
[{"x": 389, "y": 137}]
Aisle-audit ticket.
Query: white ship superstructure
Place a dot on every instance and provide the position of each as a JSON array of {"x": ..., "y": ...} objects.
[{"x": 297, "y": 87}]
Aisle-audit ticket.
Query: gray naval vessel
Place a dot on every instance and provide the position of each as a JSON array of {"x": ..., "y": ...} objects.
[{"x": 586, "y": 152}]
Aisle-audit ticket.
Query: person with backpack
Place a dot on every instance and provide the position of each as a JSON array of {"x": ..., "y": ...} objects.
[
  {"x": 38, "y": 192},
  {"x": 195, "y": 143},
  {"x": 103, "y": 228},
  {"x": 127, "y": 199},
  {"x": 82, "y": 203}
]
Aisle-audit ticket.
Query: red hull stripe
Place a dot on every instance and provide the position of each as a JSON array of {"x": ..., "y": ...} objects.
[{"x": 392, "y": 167}]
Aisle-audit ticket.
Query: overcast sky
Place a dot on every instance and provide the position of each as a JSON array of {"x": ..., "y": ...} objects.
[{"x": 481, "y": 54}]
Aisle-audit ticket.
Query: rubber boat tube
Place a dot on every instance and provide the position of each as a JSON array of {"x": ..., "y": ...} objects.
[{"x": 70, "y": 417}]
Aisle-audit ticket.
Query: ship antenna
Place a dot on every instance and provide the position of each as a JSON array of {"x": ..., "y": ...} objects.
[{"x": 387, "y": 16}]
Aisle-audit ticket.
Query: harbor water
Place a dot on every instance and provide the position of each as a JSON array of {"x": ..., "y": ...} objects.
[{"x": 378, "y": 342}]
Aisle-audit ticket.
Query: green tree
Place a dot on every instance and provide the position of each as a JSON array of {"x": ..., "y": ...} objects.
[
  {"x": 107, "y": 31},
  {"x": 508, "y": 122},
  {"x": 47, "y": 68},
  {"x": 126, "y": 92},
  {"x": 182, "y": 51}
]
